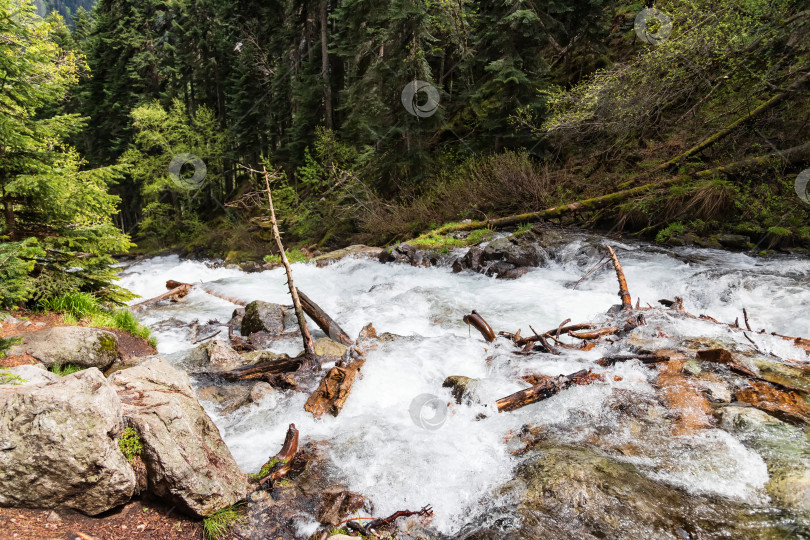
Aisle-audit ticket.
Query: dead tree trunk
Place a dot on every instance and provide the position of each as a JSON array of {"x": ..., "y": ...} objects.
[
  {"x": 269, "y": 367},
  {"x": 324, "y": 321},
  {"x": 282, "y": 462},
  {"x": 309, "y": 348}
]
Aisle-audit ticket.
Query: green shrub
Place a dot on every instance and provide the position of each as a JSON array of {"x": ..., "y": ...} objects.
[
  {"x": 673, "y": 230},
  {"x": 9, "y": 378},
  {"x": 130, "y": 444},
  {"x": 77, "y": 304},
  {"x": 63, "y": 370},
  {"x": 219, "y": 523}
]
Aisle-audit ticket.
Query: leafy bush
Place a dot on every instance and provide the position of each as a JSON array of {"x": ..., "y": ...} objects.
[
  {"x": 130, "y": 444},
  {"x": 673, "y": 230}
]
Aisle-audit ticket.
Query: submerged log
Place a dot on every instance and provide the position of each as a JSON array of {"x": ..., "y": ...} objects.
[
  {"x": 596, "y": 334},
  {"x": 334, "y": 388},
  {"x": 324, "y": 321},
  {"x": 478, "y": 322},
  {"x": 380, "y": 523},
  {"x": 544, "y": 390}
]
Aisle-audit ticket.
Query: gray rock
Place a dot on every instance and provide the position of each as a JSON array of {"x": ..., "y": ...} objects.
[
  {"x": 263, "y": 317},
  {"x": 186, "y": 460},
  {"x": 212, "y": 356},
  {"x": 35, "y": 374},
  {"x": 228, "y": 396},
  {"x": 80, "y": 346},
  {"x": 734, "y": 241},
  {"x": 261, "y": 390},
  {"x": 58, "y": 445},
  {"x": 325, "y": 346}
]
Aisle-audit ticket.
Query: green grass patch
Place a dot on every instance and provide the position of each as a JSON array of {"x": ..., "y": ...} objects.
[
  {"x": 78, "y": 307},
  {"x": 293, "y": 255},
  {"x": 446, "y": 242},
  {"x": 130, "y": 444},
  {"x": 220, "y": 522},
  {"x": 63, "y": 370}
]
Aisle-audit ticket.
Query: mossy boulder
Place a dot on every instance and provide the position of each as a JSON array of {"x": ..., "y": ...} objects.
[
  {"x": 81, "y": 346},
  {"x": 263, "y": 317}
]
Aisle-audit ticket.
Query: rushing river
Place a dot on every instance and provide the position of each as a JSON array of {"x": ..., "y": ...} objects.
[{"x": 380, "y": 450}]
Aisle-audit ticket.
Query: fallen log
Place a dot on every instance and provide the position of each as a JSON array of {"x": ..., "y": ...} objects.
[
  {"x": 176, "y": 293},
  {"x": 544, "y": 390},
  {"x": 478, "y": 322},
  {"x": 554, "y": 332},
  {"x": 268, "y": 367},
  {"x": 624, "y": 293},
  {"x": 281, "y": 463},
  {"x": 334, "y": 388},
  {"x": 324, "y": 321},
  {"x": 643, "y": 358}
]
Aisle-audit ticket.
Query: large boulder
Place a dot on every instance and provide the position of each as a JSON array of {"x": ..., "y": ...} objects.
[
  {"x": 58, "y": 445},
  {"x": 187, "y": 462},
  {"x": 77, "y": 345},
  {"x": 263, "y": 317},
  {"x": 355, "y": 251}
]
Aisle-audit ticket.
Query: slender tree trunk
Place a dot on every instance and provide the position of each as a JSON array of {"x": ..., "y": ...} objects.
[
  {"x": 309, "y": 348},
  {"x": 327, "y": 87}
]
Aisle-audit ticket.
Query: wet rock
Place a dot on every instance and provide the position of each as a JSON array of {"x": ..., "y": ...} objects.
[
  {"x": 228, "y": 396},
  {"x": 236, "y": 320},
  {"x": 355, "y": 251},
  {"x": 58, "y": 445},
  {"x": 187, "y": 462},
  {"x": 408, "y": 254},
  {"x": 718, "y": 356},
  {"x": 566, "y": 492},
  {"x": 470, "y": 260},
  {"x": 326, "y": 346},
  {"x": 254, "y": 357},
  {"x": 520, "y": 251},
  {"x": 682, "y": 395},
  {"x": 251, "y": 267},
  {"x": 30, "y": 374},
  {"x": 462, "y": 388},
  {"x": 261, "y": 390},
  {"x": 80, "y": 346},
  {"x": 785, "y": 449},
  {"x": 263, "y": 317},
  {"x": 212, "y": 356},
  {"x": 734, "y": 241},
  {"x": 787, "y": 405},
  {"x": 797, "y": 377}
]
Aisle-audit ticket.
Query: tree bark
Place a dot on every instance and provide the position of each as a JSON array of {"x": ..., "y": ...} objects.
[
  {"x": 544, "y": 390},
  {"x": 327, "y": 86},
  {"x": 258, "y": 370},
  {"x": 624, "y": 294},
  {"x": 324, "y": 321},
  {"x": 179, "y": 291},
  {"x": 481, "y": 325}
]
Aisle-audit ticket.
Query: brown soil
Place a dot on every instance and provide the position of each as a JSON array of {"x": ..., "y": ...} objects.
[{"x": 144, "y": 520}]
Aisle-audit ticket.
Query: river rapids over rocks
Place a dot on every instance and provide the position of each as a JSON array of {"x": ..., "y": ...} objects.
[{"x": 672, "y": 450}]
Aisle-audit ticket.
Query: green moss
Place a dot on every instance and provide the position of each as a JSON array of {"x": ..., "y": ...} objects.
[
  {"x": 130, "y": 444},
  {"x": 266, "y": 469},
  {"x": 672, "y": 231},
  {"x": 780, "y": 231},
  {"x": 293, "y": 255},
  {"x": 107, "y": 344},
  {"x": 63, "y": 370},
  {"x": 220, "y": 522}
]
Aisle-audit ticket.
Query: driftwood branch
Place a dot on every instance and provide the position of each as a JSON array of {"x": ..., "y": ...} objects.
[
  {"x": 543, "y": 390},
  {"x": 477, "y": 321},
  {"x": 334, "y": 388},
  {"x": 177, "y": 291},
  {"x": 624, "y": 293},
  {"x": 268, "y": 367},
  {"x": 324, "y": 321}
]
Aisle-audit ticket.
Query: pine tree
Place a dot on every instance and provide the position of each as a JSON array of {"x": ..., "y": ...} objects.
[{"x": 57, "y": 228}]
